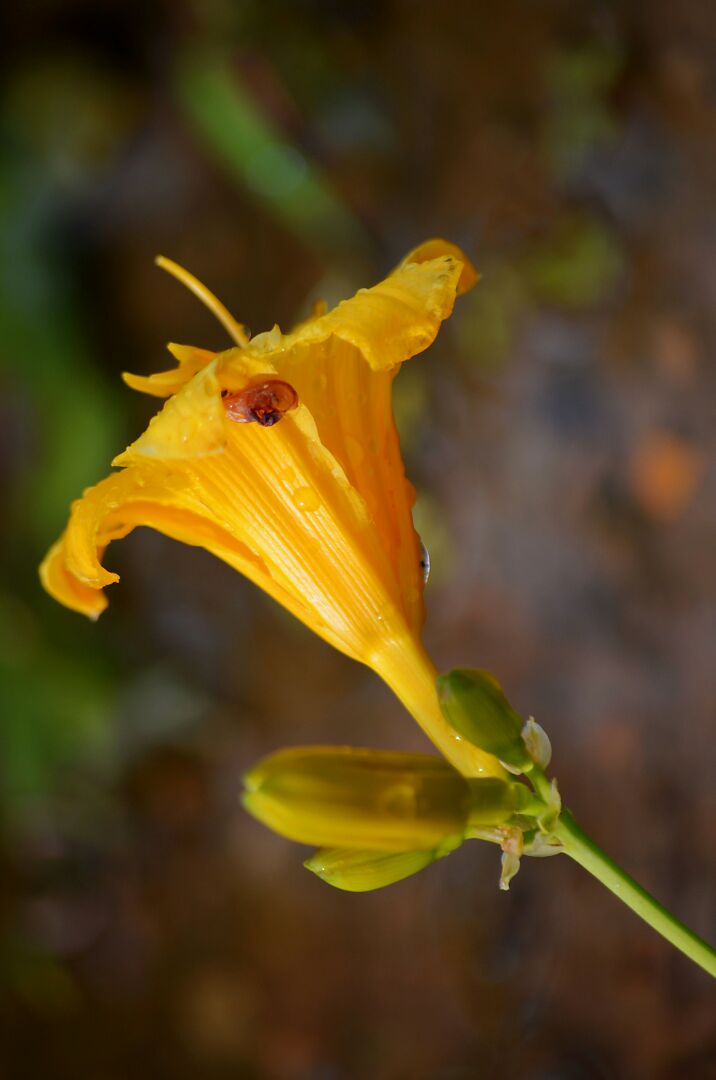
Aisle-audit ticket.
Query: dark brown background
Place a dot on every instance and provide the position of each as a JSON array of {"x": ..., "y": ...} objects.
[{"x": 561, "y": 435}]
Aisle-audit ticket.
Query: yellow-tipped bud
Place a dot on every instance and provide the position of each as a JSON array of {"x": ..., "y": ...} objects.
[
  {"x": 363, "y": 871},
  {"x": 372, "y": 799},
  {"x": 348, "y": 798},
  {"x": 474, "y": 704}
]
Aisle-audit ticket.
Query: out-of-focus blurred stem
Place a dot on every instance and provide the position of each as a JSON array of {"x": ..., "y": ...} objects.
[
  {"x": 585, "y": 852},
  {"x": 254, "y": 150}
]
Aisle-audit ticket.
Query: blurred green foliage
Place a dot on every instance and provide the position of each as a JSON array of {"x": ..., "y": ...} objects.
[
  {"x": 579, "y": 81},
  {"x": 577, "y": 266},
  {"x": 55, "y": 704},
  {"x": 492, "y": 315},
  {"x": 275, "y": 172}
]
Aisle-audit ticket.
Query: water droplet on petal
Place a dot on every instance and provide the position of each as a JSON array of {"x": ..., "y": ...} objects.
[
  {"x": 424, "y": 562},
  {"x": 305, "y": 499}
]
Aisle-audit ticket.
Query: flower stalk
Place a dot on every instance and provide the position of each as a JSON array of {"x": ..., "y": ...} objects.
[
  {"x": 590, "y": 856},
  {"x": 475, "y": 701}
]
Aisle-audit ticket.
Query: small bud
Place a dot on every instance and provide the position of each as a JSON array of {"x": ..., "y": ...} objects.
[
  {"x": 474, "y": 704},
  {"x": 362, "y": 871},
  {"x": 346, "y": 798},
  {"x": 537, "y": 743}
]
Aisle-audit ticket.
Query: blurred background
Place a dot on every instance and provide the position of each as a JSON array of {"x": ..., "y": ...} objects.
[{"x": 561, "y": 435}]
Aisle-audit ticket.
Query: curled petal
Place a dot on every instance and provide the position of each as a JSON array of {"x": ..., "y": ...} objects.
[
  {"x": 393, "y": 320},
  {"x": 190, "y": 360},
  {"x": 436, "y": 249},
  {"x": 64, "y": 586}
]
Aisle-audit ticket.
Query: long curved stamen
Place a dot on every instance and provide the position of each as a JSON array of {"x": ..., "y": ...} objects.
[{"x": 235, "y": 330}]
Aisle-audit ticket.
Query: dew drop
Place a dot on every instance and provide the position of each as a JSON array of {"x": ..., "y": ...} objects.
[
  {"x": 306, "y": 499},
  {"x": 424, "y": 562}
]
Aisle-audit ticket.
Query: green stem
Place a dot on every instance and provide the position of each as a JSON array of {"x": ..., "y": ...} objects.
[
  {"x": 585, "y": 852},
  {"x": 538, "y": 779}
]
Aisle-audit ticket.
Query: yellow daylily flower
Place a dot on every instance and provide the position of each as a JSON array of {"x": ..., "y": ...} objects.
[{"x": 314, "y": 509}]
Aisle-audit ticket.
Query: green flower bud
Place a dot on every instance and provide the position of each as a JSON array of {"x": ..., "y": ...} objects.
[
  {"x": 474, "y": 704},
  {"x": 362, "y": 871},
  {"x": 341, "y": 797},
  {"x": 537, "y": 743}
]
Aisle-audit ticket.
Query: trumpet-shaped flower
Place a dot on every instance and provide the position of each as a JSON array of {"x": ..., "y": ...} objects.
[{"x": 280, "y": 456}]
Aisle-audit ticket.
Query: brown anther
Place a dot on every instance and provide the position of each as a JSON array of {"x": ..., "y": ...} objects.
[{"x": 264, "y": 404}]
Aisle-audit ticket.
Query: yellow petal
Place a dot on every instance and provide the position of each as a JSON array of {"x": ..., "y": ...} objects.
[
  {"x": 342, "y": 365},
  {"x": 158, "y": 496},
  {"x": 354, "y": 416},
  {"x": 164, "y": 383},
  {"x": 66, "y": 587},
  {"x": 191, "y": 424},
  {"x": 435, "y": 249},
  {"x": 277, "y": 493},
  {"x": 362, "y": 871},
  {"x": 393, "y": 320}
]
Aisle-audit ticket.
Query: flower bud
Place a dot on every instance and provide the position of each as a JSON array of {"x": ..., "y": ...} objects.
[
  {"x": 362, "y": 871},
  {"x": 341, "y": 797},
  {"x": 537, "y": 743},
  {"x": 474, "y": 704}
]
